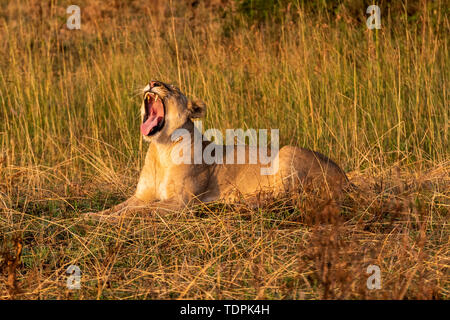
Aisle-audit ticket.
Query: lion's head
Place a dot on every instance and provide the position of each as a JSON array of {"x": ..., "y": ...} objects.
[{"x": 165, "y": 109}]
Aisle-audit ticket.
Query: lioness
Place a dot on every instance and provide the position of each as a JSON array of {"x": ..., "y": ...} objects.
[{"x": 166, "y": 183}]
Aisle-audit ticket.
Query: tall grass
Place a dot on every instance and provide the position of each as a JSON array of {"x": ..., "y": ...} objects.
[{"x": 69, "y": 134}]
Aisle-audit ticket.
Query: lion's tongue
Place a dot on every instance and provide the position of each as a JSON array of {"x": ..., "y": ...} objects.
[
  {"x": 154, "y": 118},
  {"x": 148, "y": 125}
]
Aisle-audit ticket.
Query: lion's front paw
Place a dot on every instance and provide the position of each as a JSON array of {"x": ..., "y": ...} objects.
[{"x": 98, "y": 216}]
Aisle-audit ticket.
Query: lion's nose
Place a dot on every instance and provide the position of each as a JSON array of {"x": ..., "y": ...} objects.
[{"x": 155, "y": 84}]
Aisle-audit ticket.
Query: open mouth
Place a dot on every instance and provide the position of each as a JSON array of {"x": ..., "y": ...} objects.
[{"x": 153, "y": 120}]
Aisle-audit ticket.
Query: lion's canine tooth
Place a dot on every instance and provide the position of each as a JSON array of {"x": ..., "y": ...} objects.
[{"x": 156, "y": 99}]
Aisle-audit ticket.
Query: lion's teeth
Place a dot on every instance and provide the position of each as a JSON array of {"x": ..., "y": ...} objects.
[{"x": 152, "y": 95}]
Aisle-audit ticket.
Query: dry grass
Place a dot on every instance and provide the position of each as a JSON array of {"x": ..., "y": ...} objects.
[{"x": 376, "y": 102}]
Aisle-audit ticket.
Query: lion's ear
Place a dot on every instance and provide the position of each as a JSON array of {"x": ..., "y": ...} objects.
[{"x": 197, "y": 108}]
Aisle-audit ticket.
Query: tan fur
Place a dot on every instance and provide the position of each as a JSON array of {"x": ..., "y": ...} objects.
[{"x": 164, "y": 185}]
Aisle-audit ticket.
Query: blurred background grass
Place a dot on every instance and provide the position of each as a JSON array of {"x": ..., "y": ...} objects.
[{"x": 313, "y": 71}]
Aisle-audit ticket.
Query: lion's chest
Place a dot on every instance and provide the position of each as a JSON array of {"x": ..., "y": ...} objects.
[
  {"x": 157, "y": 174},
  {"x": 163, "y": 188}
]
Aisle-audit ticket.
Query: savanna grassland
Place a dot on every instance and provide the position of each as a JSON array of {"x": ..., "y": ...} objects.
[{"x": 375, "y": 101}]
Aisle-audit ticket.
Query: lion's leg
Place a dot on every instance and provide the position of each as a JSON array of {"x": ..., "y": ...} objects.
[
  {"x": 128, "y": 206},
  {"x": 165, "y": 206},
  {"x": 134, "y": 205}
]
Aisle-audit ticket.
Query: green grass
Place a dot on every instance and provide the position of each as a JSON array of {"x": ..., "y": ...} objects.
[{"x": 374, "y": 101}]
